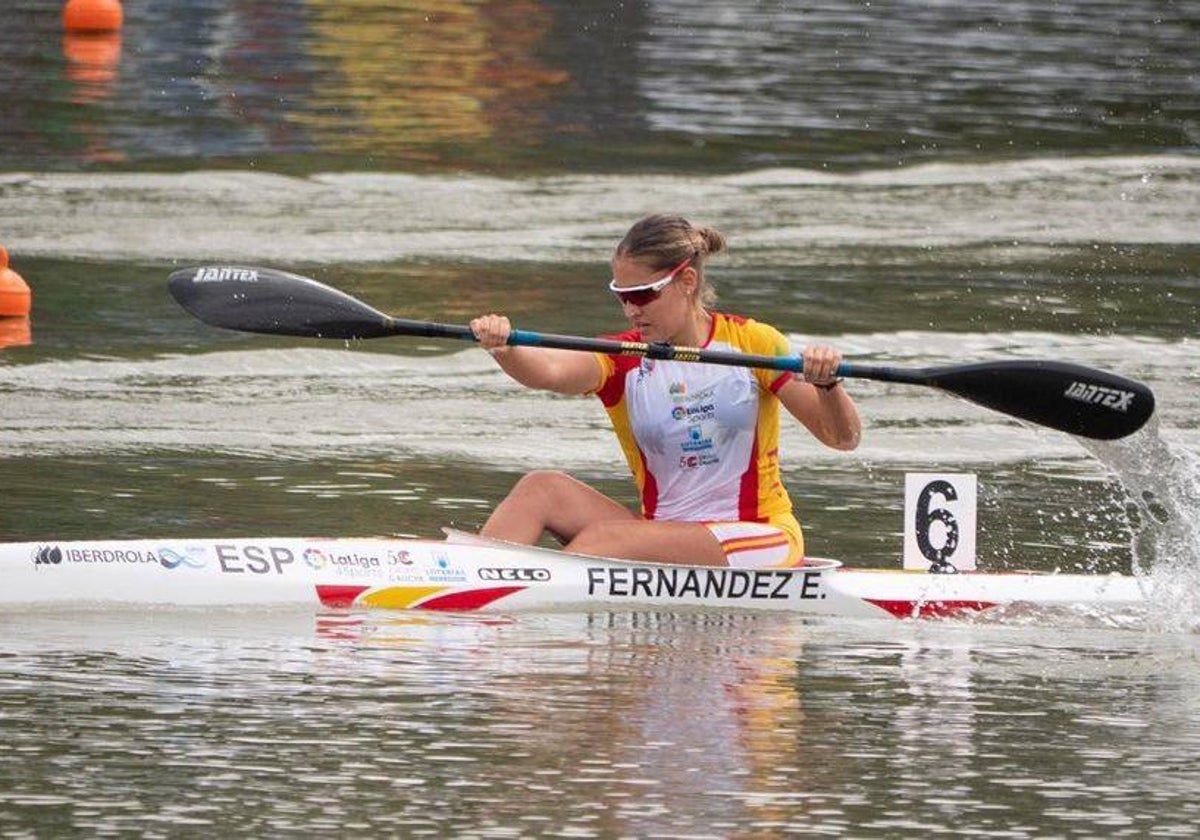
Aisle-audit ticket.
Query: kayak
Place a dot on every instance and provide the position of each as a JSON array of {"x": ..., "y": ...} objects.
[{"x": 468, "y": 572}]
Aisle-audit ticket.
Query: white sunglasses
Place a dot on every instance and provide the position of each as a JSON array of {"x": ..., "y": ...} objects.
[{"x": 647, "y": 292}]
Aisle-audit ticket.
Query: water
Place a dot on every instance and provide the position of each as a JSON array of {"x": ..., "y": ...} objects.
[
  {"x": 592, "y": 725},
  {"x": 1163, "y": 486},
  {"x": 920, "y": 184},
  {"x": 308, "y": 85}
]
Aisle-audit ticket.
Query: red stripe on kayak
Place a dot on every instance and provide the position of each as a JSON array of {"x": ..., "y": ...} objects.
[
  {"x": 339, "y": 596},
  {"x": 471, "y": 599},
  {"x": 930, "y": 609}
]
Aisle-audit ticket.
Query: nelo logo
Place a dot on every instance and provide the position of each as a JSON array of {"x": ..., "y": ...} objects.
[
  {"x": 515, "y": 574},
  {"x": 47, "y": 555}
]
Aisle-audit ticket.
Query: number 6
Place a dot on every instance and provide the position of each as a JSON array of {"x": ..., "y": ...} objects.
[{"x": 925, "y": 518}]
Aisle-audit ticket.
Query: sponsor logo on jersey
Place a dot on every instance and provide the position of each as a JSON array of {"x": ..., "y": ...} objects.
[
  {"x": 694, "y": 413},
  {"x": 696, "y": 441}
]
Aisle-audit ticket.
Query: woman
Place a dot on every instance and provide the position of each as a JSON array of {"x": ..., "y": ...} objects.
[{"x": 701, "y": 440}]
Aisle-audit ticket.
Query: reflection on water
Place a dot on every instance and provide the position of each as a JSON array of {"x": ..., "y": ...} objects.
[
  {"x": 595, "y": 724},
  {"x": 842, "y": 82},
  {"x": 93, "y": 60},
  {"x": 565, "y": 84},
  {"x": 426, "y": 73},
  {"x": 15, "y": 332}
]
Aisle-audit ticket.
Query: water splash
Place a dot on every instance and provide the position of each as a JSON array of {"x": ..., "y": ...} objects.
[{"x": 1162, "y": 479}]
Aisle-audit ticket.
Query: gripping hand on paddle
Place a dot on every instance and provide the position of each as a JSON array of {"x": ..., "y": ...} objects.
[
  {"x": 492, "y": 332},
  {"x": 821, "y": 364}
]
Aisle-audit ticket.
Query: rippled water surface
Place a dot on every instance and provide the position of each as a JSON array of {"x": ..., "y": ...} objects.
[
  {"x": 592, "y": 725},
  {"x": 917, "y": 184},
  {"x": 558, "y": 84}
]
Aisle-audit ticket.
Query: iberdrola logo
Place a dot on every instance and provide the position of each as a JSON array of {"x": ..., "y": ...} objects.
[{"x": 678, "y": 391}]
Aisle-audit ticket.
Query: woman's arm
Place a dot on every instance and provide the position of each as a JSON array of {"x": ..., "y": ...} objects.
[
  {"x": 562, "y": 371},
  {"x": 828, "y": 412}
]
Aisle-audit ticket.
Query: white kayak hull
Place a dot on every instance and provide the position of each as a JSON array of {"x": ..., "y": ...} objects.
[{"x": 466, "y": 572}]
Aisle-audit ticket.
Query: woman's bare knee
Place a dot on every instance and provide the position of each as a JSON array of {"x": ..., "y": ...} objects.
[
  {"x": 540, "y": 486},
  {"x": 540, "y": 480}
]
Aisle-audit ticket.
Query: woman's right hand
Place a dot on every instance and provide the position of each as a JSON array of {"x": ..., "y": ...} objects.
[{"x": 492, "y": 331}]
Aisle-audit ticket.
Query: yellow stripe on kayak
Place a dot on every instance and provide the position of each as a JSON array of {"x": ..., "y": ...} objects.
[{"x": 400, "y": 597}]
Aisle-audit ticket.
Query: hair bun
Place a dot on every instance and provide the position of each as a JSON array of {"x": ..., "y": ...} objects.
[{"x": 711, "y": 240}]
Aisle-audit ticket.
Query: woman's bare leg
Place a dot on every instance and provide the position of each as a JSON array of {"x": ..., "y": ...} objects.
[
  {"x": 589, "y": 522},
  {"x": 548, "y": 500},
  {"x": 688, "y": 543}
]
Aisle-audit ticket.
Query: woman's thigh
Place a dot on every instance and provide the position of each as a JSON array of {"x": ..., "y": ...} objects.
[
  {"x": 556, "y": 502},
  {"x": 685, "y": 543}
]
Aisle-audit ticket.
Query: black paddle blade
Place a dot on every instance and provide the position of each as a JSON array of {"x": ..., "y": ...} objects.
[
  {"x": 1071, "y": 398},
  {"x": 263, "y": 300}
]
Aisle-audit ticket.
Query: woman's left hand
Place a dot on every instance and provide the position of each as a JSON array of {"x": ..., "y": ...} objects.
[{"x": 821, "y": 364}]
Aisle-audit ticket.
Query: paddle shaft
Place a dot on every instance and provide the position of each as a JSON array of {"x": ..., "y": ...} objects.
[
  {"x": 1059, "y": 395},
  {"x": 644, "y": 349}
]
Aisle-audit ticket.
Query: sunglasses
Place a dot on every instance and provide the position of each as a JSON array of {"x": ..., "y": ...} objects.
[{"x": 648, "y": 292}]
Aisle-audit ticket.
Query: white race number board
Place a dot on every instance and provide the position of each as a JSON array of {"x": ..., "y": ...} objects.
[{"x": 939, "y": 521}]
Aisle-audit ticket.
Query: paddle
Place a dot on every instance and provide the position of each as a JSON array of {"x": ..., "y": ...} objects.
[{"x": 1068, "y": 397}]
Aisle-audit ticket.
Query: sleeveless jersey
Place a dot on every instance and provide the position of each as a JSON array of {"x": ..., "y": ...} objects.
[{"x": 701, "y": 440}]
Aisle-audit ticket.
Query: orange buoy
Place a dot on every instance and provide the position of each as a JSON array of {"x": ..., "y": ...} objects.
[
  {"x": 15, "y": 297},
  {"x": 93, "y": 15}
]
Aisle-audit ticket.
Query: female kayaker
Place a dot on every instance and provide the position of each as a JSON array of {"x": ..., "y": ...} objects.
[{"x": 701, "y": 440}]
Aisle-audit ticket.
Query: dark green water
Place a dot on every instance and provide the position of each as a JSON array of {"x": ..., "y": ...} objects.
[
  {"x": 916, "y": 184},
  {"x": 567, "y": 86}
]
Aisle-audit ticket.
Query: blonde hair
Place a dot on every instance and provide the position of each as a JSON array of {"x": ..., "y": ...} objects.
[{"x": 663, "y": 241}]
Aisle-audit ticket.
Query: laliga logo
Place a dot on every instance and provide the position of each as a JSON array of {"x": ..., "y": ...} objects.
[{"x": 315, "y": 559}]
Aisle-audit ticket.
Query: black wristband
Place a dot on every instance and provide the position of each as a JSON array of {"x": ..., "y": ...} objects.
[{"x": 828, "y": 386}]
